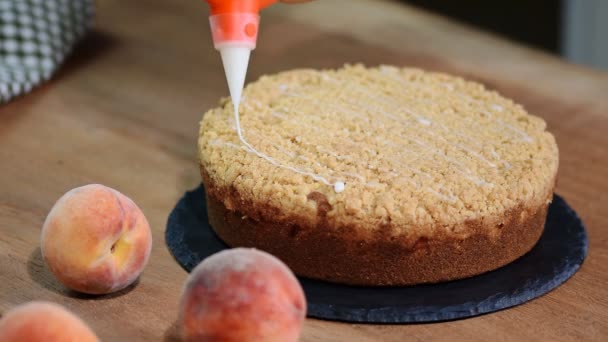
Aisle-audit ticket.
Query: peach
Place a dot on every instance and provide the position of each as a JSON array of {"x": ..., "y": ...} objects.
[
  {"x": 242, "y": 295},
  {"x": 96, "y": 240},
  {"x": 43, "y": 321}
]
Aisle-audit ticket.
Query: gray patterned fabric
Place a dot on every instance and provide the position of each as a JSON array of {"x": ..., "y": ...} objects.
[{"x": 35, "y": 38}]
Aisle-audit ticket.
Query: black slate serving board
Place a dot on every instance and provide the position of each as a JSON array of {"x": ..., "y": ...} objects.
[{"x": 555, "y": 258}]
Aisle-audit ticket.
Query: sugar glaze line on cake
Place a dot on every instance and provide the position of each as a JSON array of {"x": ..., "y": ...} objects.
[
  {"x": 468, "y": 146},
  {"x": 338, "y": 185},
  {"x": 380, "y": 98}
]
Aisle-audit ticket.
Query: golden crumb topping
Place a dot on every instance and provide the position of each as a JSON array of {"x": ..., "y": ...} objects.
[{"x": 384, "y": 145}]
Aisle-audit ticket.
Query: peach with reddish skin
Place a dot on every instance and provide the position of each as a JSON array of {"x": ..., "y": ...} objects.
[
  {"x": 242, "y": 295},
  {"x": 96, "y": 240},
  {"x": 44, "y": 321}
]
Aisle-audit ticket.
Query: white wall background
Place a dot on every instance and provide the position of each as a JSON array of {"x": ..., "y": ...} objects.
[{"x": 586, "y": 32}]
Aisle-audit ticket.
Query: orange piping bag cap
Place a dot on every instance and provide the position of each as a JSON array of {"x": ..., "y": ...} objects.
[{"x": 236, "y": 22}]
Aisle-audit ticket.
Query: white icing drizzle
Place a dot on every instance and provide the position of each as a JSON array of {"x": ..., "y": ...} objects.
[
  {"x": 523, "y": 135},
  {"x": 471, "y": 152},
  {"x": 333, "y": 154},
  {"x": 290, "y": 154},
  {"x": 387, "y": 107},
  {"x": 464, "y": 171},
  {"x": 449, "y": 198},
  {"x": 278, "y": 115},
  {"x": 497, "y": 107},
  {"x": 219, "y": 142},
  {"x": 424, "y": 121},
  {"x": 274, "y": 162},
  {"x": 354, "y": 175}
]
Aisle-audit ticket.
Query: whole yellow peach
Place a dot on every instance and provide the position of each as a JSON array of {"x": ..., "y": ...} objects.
[
  {"x": 43, "y": 321},
  {"x": 96, "y": 240},
  {"x": 242, "y": 295}
]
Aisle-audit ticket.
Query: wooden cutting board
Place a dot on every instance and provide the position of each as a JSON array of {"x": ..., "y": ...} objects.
[{"x": 124, "y": 112}]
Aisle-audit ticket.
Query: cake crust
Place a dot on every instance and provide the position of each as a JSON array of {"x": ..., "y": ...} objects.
[{"x": 344, "y": 255}]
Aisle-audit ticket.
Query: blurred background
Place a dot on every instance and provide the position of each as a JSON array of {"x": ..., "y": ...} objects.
[
  {"x": 574, "y": 29},
  {"x": 36, "y": 36}
]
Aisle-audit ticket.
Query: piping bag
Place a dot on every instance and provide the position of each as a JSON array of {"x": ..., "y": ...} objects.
[{"x": 234, "y": 28}]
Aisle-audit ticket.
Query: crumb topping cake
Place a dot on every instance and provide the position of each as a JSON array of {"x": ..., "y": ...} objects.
[{"x": 378, "y": 176}]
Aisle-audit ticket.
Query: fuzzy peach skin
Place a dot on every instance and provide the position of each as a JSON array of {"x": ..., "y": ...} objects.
[
  {"x": 43, "y": 321},
  {"x": 242, "y": 295},
  {"x": 96, "y": 240}
]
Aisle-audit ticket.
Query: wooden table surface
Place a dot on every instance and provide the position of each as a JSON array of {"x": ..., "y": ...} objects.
[{"x": 125, "y": 110}]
